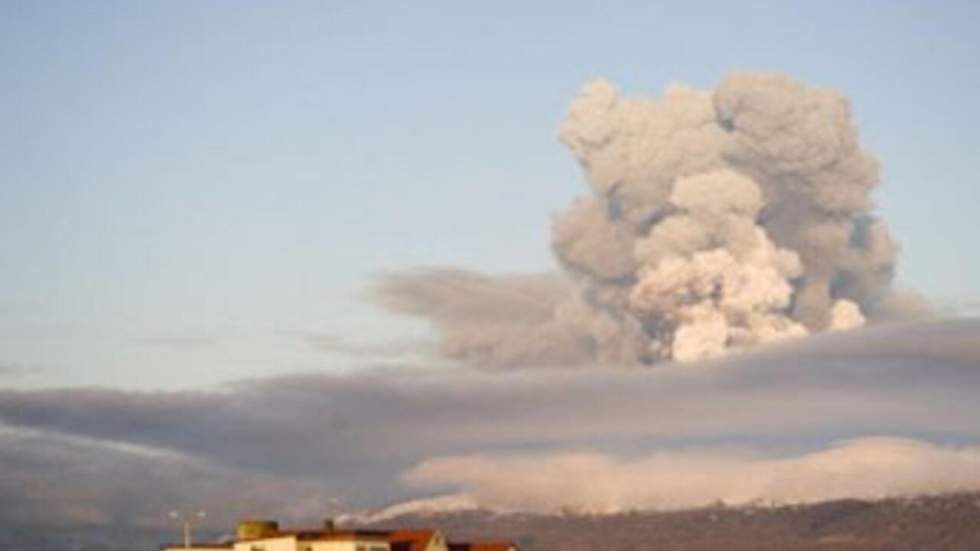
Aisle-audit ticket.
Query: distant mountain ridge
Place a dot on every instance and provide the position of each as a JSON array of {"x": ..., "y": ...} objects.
[{"x": 949, "y": 522}]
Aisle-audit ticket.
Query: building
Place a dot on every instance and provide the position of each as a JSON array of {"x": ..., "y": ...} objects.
[{"x": 265, "y": 535}]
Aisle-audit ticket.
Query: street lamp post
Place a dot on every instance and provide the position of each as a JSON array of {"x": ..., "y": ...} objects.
[{"x": 187, "y": 519}]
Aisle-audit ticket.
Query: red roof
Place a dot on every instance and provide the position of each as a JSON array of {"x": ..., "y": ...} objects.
[
  {"x": 410, "y": 540},
  {"x": 481, "y": 546}
]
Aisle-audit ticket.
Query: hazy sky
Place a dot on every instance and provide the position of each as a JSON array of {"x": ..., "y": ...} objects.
[{"x": 188, "y": 190}]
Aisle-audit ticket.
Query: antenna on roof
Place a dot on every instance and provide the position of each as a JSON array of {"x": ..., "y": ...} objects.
[
  {"x": 187, "y": 519},
  {"x": 333, "y": 509}
]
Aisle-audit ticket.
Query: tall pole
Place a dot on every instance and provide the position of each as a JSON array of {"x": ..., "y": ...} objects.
[{"x": 186, "y": 520}]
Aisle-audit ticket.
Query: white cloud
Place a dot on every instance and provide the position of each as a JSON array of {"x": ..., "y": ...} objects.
[{"x": 860, "y": 468}]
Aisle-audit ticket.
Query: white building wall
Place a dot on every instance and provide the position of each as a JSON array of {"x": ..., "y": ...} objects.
[
  {"x": 350, "y": 545},
  {"x": 282, "y": 543}
]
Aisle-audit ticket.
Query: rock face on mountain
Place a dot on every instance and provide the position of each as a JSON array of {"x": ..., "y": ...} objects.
[{"x": 950, "y": 522}]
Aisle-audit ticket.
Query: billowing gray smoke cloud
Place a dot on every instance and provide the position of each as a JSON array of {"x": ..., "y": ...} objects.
[{"x": 716, "y": 220}]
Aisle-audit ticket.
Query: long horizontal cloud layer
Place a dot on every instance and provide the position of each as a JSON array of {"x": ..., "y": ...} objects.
[
  {"x": 860, "y": 468},
  {"x": 354, "y": 437}
]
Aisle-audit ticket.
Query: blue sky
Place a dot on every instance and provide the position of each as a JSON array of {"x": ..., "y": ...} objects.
[{"x": 186, "y": 188}]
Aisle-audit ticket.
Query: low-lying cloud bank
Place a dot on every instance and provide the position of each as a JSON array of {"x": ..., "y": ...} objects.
[
  {"x": 354, "y": 437},
  {"x": 595, "y": 482}
]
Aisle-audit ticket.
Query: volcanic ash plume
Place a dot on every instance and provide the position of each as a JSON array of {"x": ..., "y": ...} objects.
[{"x": 718, "y": 220}]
